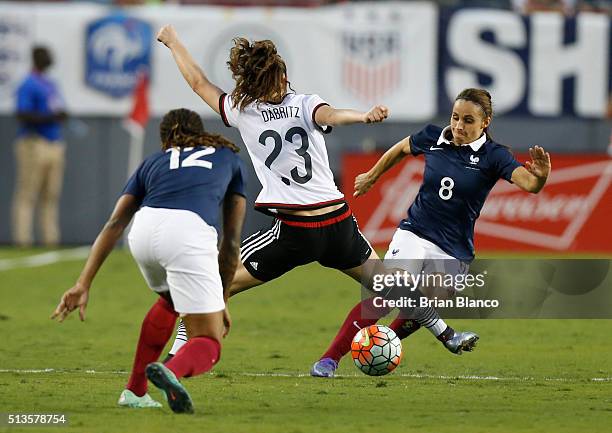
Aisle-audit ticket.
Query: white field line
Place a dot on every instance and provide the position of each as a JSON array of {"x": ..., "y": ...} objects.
[
  {"x": 44, "y": 259},
  {"x": 296, "y": 375}
]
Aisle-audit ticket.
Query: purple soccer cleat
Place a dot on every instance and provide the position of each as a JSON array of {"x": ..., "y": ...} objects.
[{"x": 325, "y": 367}]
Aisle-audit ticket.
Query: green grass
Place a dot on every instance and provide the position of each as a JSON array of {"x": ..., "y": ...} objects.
[{"x": 544, "y": 367}]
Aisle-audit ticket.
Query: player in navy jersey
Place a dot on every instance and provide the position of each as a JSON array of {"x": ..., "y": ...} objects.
[
  {"x": 284, "y": 135},
  {"x": 175, "y": 197},
  {"x": 462, "y": 164}
]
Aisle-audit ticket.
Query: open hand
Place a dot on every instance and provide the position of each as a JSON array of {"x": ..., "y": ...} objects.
[
  {"x": 377, "y": 113},
  {"x": 539, "y": 165},
  {"x": 76, "y": 297}
]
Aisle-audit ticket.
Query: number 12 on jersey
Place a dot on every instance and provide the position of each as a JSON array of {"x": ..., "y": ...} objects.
[{"x": 192, "y": 160}]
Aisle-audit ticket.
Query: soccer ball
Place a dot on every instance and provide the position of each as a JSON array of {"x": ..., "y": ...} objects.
[{"x": 376, "y": 350}]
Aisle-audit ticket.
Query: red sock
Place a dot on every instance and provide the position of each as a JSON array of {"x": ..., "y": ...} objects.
[
  {"x": 197, "y": 356},
  {"x": 156, "y": 330},
  {"x": 362, "y": 314},
  {"x": 404, "y": 327}
]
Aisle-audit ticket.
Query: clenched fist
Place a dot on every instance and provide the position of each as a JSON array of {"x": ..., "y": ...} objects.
[
  {"x": 377, "y": 113},
  {"x": 363, "y": 183},
  {"x": 167, "y": 35}
]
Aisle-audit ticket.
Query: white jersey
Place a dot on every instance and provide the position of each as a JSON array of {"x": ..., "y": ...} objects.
[{"x": 288, "y": 151}]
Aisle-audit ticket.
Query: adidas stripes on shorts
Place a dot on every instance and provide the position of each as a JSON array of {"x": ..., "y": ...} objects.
[{"x": 332, "y": 239}]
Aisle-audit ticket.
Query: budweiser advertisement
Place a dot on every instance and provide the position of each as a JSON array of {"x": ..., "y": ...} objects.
[{"x": 571, "y": 214}]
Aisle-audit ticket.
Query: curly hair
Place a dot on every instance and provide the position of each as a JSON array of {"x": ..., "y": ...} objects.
[
  {"x": 259, "y": 71},
  {"x": 184, "y": 128}
]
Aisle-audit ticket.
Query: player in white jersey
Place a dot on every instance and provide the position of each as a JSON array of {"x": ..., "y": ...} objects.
[
  {"x": 291, "y": 179},
  {"x": 283, "y": 133}
]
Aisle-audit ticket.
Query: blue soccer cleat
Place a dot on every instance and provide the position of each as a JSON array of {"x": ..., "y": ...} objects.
[
  {"x": 177, "y": 396},
  {"x": 325, "y": 367}
]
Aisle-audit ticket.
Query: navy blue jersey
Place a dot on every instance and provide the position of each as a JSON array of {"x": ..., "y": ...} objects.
[
  {"x": 456, "y": 183},
  {"x": 195, "y": 179}
]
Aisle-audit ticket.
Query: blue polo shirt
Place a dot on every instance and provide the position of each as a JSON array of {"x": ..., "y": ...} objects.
[
  {"x": 456, "y": 183},
  {"x": 38, "y": 94}
]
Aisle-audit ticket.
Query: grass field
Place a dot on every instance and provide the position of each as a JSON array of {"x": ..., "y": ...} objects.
[{"x": 527, "y": 376}]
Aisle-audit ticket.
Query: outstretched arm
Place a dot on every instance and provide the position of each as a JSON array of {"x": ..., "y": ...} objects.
[
  {"x": 395, "y": 154},
  {"x": 78, "y": 295},
  {"x": 331, "y": 116},
  {"x": 193, "y": 74},
  {"x": 532, "y": 177}
]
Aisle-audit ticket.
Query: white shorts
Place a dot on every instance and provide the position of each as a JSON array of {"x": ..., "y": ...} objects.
[
  {"x": 176, "y": 251},
  {"x": 414, "y": 254}
]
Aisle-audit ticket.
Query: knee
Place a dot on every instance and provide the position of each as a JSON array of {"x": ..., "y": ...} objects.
[{"x": 50, "y": 197}]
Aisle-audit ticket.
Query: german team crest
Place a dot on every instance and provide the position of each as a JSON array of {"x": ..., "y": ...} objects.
[
  {"x": 371, "y": 64},
  {"x": 117, "y": 49}
]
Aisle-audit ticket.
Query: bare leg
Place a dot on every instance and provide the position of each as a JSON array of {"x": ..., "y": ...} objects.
[{"x": 243, "y": 281}]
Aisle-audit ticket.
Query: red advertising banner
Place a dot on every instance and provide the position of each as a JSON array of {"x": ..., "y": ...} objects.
[{"x": 573, "y": 213}]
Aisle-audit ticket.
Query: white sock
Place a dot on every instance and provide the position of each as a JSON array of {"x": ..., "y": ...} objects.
[
  {"x": 430, "y": 319},
  {"x": 180, "y": 340}
]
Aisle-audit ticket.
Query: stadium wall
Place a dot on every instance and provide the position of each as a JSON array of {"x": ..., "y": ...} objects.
[
  {"x": 97, "y": 153},
  {"x": 549, "y": 75}
]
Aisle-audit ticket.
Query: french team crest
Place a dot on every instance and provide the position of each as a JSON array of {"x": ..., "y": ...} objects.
[
  {"x": 371, "y": 63},
  {"x": 117, "y": 49}
]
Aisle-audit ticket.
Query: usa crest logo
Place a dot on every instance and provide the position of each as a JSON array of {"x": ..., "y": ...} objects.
[
  {"x": 118, "y": 48},
  {"x": 371, "y": 64}
]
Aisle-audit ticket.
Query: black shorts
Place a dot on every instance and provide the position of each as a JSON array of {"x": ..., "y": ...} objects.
[{"x": 332, "y": 239}]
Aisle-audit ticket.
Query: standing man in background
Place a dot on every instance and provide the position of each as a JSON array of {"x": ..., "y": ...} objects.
[{"x": 39, "y": 153}]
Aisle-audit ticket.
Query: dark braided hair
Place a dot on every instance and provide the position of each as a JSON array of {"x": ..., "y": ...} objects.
[
  {"x": 183, "y": 128},
  {"x": 259, "y": 71},
  {"x": 482, "y": 98}
]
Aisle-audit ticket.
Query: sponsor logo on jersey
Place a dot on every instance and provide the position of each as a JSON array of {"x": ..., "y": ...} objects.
[
  {"x": 118, "y": 49},
  {"x": 371, "y": 63},
  {"x": 435, "y": 148},
  {"x": 254, "y": 264}
]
